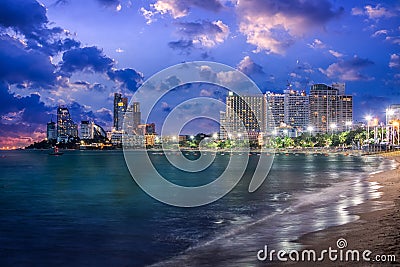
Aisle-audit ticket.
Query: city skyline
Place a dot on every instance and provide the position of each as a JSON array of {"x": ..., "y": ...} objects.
[{"x": 68, "y": 53}]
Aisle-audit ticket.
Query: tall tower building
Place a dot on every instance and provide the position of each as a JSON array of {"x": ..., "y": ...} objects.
[
  {"x": 324, "y": 107},
  {"x": 65, "y": 125},
  {"x": 330, "y": 106},
  {"x": 275, "y": 110},
  {"x": 297, "y": 109},
  {"x": 51, "y": 131},
  {"x": 244, "y": 113},
  {"x": 132, "y": 118},
  {"x": 120, "y": 107},
  {"x": 345, "y": 112}
]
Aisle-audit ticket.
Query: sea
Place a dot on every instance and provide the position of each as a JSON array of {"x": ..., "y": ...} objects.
[{"x": 83, "y": 208}]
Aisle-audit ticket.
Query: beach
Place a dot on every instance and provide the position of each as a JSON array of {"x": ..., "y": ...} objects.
[{"x": 375, "y": 230}]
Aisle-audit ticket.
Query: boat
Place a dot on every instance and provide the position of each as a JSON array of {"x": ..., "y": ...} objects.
[{"x": 56, "y": 152}]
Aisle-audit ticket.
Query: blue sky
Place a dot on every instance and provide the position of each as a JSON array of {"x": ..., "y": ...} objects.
[{"x": 78, "y": 53}]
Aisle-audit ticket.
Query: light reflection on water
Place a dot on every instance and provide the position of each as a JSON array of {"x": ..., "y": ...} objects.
[{"x": 83, "y": 207}]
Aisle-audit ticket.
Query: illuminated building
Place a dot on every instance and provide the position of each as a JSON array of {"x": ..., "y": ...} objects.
[
  {"x": 120, "y": 107},
  {"x": 132, "y": 118},
  {"x": 296, "y": 109},
  {"x": 51, "y": 131},
  {"x": 323, "y": 107},
  {"x": 66, "y": 128},
  {"x": 92, "y": 131},
  {"x": 244, "y": 114},
  {"x": 275, "y": 111},
  {"x": 329, "y": 105}
]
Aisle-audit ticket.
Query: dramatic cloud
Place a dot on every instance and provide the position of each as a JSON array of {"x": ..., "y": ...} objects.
[
  {"x": 178, "y": 8},
  {"x": 129, "y": 78},
  {"x": 249, "y": 67},
  {"x": 89, "y": 59},
  {"x": 371, "y": 12},
  {"x": 28, "y": 18},
  {"x": 273, "y": 25},
  {"x": 203, "y": 34},
  {"x": 25, "y": 16},
  {"x": 348, "y": 70},
  {"x": 394, "y": 61},
  {"x": 19, "y": 65},
  {"x": 21, "y": 118}
]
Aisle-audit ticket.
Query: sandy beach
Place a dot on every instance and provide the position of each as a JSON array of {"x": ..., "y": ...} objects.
[{"x": 377, "y": 230}]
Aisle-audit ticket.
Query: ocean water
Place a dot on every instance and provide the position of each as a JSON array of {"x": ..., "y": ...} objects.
[{"x": 84, "y": 209}]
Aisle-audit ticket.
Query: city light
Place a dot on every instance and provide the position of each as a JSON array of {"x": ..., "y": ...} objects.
[
  {"x": 368, "y": 118},
  {"x": 349, "y": 123},
  {"x": 390, "y": 112},
  {"x": 333, "y": 126}
]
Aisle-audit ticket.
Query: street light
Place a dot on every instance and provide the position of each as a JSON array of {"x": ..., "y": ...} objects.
[
  {"x": 348, "y": 125},
  {"x": 333, "y": 127},
  {"x": 368, "y": 118},
  {"x": 310, "y": 129}
]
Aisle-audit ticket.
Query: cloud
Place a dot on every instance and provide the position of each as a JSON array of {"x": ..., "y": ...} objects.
[
  {"x": 380, "y": 32},
  {"x": 335, "y": 53},
  {"x": 181, "y": 45},
  {"x": 249, "y": 67},
  {"x": 372, "y": 12},
  {"x": 21, "y": 117},
  {"x": 317, "y": 44},
  {"x": 394, "y": 61},
  {"x": 178, "y": 8},
  {"x": 165, "y": 107},
  {"x": 203, "y": 34},
  {"x": 129, "y": 78},
  {"x": 273, "y": 25},
  {"x": 28, "y": 18},
  {"x": 89, "y": 59},
  {"x": 348, "y": 70},
  {"x": 20, "y": 65},
  {"x": 25, "y": 16}
]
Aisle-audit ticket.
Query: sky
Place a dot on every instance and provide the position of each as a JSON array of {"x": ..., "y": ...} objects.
[{"x": 78, "y": 53}]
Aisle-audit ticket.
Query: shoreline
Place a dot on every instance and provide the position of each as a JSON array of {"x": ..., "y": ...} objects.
[{"x": 377, "y": 230}]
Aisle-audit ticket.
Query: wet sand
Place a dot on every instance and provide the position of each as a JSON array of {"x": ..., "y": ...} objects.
[{"x": 377, "y": 230}]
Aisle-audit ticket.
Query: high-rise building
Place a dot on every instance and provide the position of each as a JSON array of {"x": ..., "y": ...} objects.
[
  {"x": 65, "y": 126},
  {"x": 244, "y": 113},
  {"x": 51, "y": 131},
  {"x": 120, "y": 107},
  {"x": 330, "y": 108},
  {"x": 296, "y": 109},
  {"x": 132, "y": 118},
  {"x": 324, "y": 108},
  {"x": 345, "y": 112},
  {"x": 86, "y": 130},
  {"x": 275, "y": 111}
]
